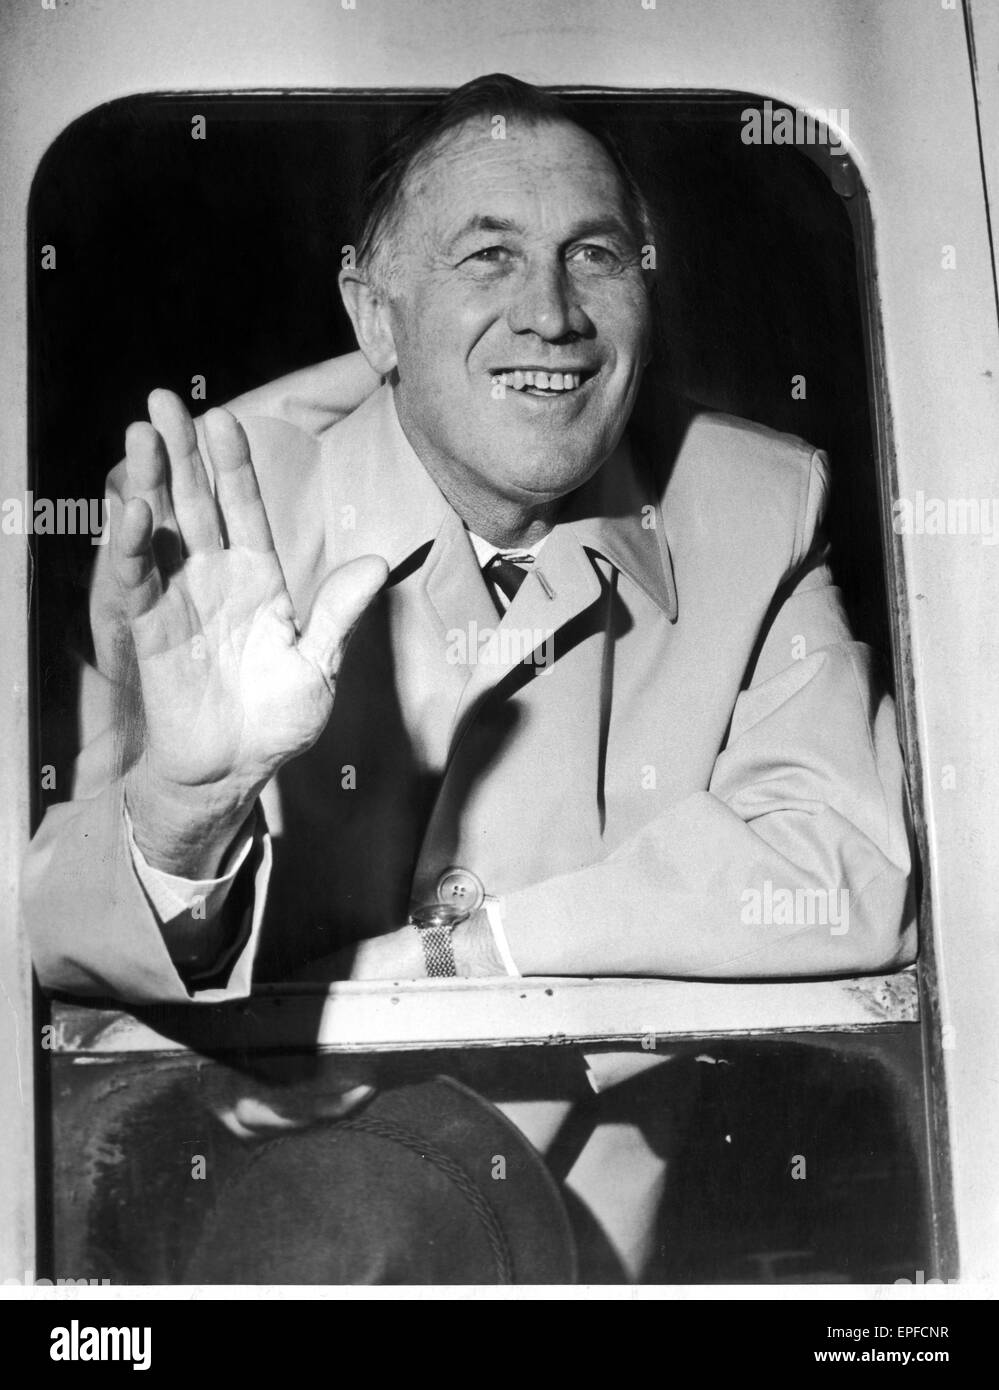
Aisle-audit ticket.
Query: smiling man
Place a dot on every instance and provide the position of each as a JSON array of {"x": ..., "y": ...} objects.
[
  {"x": 701, "y": 729},
  {"x": 509, "y": 301}
]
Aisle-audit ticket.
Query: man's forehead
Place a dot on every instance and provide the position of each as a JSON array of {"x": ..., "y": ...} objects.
[{"x": 550, "y": 167}]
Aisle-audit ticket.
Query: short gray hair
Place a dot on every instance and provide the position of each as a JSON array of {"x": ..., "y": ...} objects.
[{"x": 415, "y": 145}]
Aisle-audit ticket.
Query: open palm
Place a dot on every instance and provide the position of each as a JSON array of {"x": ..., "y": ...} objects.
[{"x": 232, "y": 685}]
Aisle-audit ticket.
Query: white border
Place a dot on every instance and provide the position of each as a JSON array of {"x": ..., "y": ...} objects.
[{"x": 901, "y": 68}]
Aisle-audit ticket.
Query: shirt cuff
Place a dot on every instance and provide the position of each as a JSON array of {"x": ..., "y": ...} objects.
[
  {"x": 494, "y": 916},
  {"x": 182, "y": 903},
  {"x": 170, "y": 895}
]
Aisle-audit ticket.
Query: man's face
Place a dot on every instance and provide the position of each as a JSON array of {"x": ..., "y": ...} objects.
[{"x": 515, "y": 257}]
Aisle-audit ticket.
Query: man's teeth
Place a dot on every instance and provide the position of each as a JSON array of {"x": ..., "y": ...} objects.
[{"x": 540, "y": 381}]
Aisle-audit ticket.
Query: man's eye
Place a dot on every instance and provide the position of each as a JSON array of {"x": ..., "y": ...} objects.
[
  {"x": 598, "y": 258},
  {"x": 489, "y": 255}
]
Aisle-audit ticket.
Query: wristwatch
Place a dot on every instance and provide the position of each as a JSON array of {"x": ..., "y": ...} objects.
[{"x": 435, "y": 923}]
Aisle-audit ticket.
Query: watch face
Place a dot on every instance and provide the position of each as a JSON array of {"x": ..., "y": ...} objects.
[{"x": 437, "y": 915}]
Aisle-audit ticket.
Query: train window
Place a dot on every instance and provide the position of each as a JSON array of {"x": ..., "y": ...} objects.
[
  {"x": 182, "y": 266},
  {"x": 199, "y": 240}
]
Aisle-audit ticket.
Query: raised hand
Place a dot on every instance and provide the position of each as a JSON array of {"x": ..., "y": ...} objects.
[{"x": 232, "y": 685}]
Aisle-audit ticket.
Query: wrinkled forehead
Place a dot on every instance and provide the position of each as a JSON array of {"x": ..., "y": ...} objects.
[{"x": 543, "y": 176}]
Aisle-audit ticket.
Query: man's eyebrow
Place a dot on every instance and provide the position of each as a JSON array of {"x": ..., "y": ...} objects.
[
  {"x": 482, "y": 222},
  {"x": 610, "y": 225}
]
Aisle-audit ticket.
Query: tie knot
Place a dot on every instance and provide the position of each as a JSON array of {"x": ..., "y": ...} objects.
[{"x": 508, "y": 573}]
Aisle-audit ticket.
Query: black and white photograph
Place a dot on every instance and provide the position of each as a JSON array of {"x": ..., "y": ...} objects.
[{"x": 499, "y": 510}]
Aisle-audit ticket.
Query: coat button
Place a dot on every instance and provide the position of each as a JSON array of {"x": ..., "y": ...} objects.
[{"x": 461, "y": 888}]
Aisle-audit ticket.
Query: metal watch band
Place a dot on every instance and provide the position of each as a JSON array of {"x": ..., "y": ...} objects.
[
  {"x": 438, "y": 952},
  {"x": 435, "y": 925}
]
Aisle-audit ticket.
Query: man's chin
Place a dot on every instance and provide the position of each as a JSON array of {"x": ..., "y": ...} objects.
[{"x": 551, "y": 479}]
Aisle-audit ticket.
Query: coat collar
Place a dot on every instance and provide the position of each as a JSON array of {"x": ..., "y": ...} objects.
[{"x": 385, "y": 502}]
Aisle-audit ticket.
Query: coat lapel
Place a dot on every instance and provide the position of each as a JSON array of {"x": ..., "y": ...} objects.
[
  {"x": 497, "y": 690},
  {"x": 561, "y": 585}
]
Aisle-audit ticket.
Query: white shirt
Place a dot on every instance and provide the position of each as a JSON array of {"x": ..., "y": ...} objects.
[{"x": 486, "y": 553}]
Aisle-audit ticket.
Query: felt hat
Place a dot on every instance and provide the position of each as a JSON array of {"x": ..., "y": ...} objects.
[{"x": 427, "y": 1184}]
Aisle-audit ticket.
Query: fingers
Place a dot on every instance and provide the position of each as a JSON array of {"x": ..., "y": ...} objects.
[
  {"x": 236, "y": 483},
  {"x": 253, "y": 1117},
  {"x": 337, "y": 607},
  {"x": 147, "y": 475},
  {"x": 133, "y": 559},
  {"x": 193, "y": 503},
  {"x": 334, "y": 1107}
]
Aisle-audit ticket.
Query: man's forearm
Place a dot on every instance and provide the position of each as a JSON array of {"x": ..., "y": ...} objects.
[
  {"x": 701, "y": 894},
  {"x": 398, "y": 955},
  {"x": 475, "y": 950}
]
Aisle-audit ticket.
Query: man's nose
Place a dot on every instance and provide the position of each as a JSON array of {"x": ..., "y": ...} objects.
[{"x": 547, "y": 303}]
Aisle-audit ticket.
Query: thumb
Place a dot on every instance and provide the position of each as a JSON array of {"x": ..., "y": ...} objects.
[{"x": 341, "y": 600}]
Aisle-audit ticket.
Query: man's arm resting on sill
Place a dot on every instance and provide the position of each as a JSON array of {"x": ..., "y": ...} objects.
[{"x": 794, "y": 862}]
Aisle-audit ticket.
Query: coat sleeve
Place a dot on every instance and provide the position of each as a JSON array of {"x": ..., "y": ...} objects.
[
  {"x": 92, "y": 928},
  {"x": 796, "y": 859}
]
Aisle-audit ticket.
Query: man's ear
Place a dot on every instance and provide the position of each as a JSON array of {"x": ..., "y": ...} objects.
[{"x": 369, "y": 313}]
